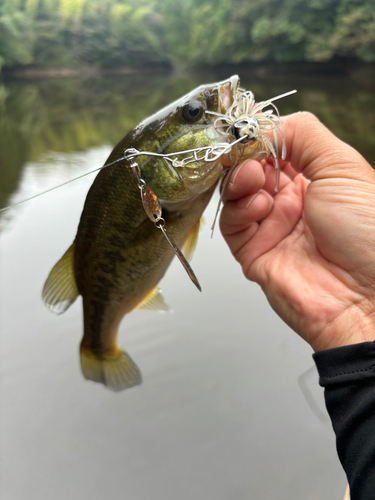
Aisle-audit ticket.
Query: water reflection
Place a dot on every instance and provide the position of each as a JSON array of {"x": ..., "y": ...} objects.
[{"x": 64, "y": 116}]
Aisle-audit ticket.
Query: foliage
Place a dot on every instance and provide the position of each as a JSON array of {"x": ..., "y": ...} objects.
[
  {"x": 15, "y": 35},
  {"x": 140, "y": 32}
]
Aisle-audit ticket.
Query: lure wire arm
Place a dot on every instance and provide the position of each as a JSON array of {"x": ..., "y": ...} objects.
[
  {"x": 149, "y": 199},
  {"x": 211, "y": 153},
  {"x": 160, "y": 225},
  {"x": 153, "y": 210}
]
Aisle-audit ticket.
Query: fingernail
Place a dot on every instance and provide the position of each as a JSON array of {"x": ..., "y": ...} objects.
[
  {"x": 237, "y": 171},
  {"x": 245, "y": 202}
]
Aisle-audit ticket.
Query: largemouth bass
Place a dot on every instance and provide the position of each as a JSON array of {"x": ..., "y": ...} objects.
[{"x": 119, "y": 255}]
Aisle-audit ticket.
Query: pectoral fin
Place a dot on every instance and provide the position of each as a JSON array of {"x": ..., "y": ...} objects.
[
  {"x": 60, "y": 290},
  {"x": 191, "y": 240}
]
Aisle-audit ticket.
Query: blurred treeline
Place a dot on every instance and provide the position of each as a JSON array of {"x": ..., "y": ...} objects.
[
  {"x": 74, "y": 33},
  {"x": 76, "y": 114}
]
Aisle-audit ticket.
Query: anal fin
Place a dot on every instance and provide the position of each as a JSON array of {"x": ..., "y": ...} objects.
[{"x": 154, "y": 301}]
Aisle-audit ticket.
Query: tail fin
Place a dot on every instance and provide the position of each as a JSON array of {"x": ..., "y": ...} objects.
[{"x": 118, "y": 372}]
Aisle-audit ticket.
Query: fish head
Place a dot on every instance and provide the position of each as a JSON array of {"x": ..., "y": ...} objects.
[{"x": 183, "y": 132}]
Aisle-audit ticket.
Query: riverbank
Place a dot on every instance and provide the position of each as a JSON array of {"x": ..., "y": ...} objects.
[
  {"x": 348, "y": 68},
  {"x": 32, "y": 72}
]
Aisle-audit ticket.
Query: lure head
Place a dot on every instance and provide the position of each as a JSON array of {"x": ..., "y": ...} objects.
[
  {"x": 253, "y": 130},
  {"x": 184, "y": 125},
  {"x": 246, "y": 126}
]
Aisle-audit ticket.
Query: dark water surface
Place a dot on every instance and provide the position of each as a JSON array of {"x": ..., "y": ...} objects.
[{"x": 220, "y": 414}]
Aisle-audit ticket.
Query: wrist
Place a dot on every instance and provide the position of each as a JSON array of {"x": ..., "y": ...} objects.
[{"x": 353, "y": 326}]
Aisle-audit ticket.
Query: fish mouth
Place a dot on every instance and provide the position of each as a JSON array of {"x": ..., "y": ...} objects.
[{"x": 227, "y": 92}]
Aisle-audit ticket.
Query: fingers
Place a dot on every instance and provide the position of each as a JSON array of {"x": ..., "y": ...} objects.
[
  {"x": 251, "y": 176},
  {"x": 239, "y": 219},
  {"x": 270, "y": 174},
  {"x": 313, "y": 150},
  {"x": 285, "y": 167},
  {"x": 237, "y": 215},
  {"x": 286, "y": 212},
  {"x": 255, "y": 223},
  {"x": 246, "y": 179},
  {"x": 245, "y": 202}
]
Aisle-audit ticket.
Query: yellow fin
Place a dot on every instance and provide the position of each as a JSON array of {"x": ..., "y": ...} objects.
[
  {"x": 154, "y": 301},
  {"x": 191, "y": 240},
  {"x": 118, "y": 372},
  {"x": 60, "y": 290}
]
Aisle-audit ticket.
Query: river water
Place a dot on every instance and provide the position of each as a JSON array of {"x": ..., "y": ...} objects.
[{"x": 229, "y": 407}]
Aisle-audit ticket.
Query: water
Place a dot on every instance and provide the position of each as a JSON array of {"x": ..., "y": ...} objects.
[{"x": 220, "y": 414}]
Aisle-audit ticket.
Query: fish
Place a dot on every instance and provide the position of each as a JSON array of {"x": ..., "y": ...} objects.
[
  {"x": 145, "y": 204},
  {"x": 119, "y": 255}
]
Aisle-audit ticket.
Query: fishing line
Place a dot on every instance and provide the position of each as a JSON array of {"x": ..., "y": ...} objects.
[
  {"x": 244, "y": 106},
  {"x": 216, "y": 150},
  {"x": 51, "y": 189}
]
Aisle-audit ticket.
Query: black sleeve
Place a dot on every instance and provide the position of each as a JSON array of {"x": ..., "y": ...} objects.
[{"x": 348, "y": 376}]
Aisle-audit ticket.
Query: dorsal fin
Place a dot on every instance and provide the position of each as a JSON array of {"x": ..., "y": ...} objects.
[
  {"x": 191, "y": 240},
  {"x": 60, "y": 290},
  {"x": 154, "y": 301}
]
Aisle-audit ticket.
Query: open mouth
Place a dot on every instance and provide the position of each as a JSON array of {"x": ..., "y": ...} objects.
[{"x": 227, "y": 93}]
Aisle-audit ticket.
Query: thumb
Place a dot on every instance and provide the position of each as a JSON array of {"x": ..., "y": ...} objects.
[
  {"x": 318, "y": 154},
  {"x": 339, "y": 202}
]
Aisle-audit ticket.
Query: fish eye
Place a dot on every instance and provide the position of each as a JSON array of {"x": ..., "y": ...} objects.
[{"x": 192, "y": 111}]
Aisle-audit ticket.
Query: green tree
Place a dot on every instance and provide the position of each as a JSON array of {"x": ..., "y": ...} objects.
[
  {"x": 134, "y": 32},
  {"x": 16, "y": 36},
  {"x": 354, "y": 34}
]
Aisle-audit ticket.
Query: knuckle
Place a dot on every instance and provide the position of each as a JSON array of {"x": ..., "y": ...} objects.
[{"x": 307, "y": 116}]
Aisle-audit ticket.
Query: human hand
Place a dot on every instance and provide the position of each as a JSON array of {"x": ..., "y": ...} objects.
[{"x": 311, "y": 246}]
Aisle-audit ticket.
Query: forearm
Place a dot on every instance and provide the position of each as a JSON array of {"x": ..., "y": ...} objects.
[{"x": 348, "y": 376}]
